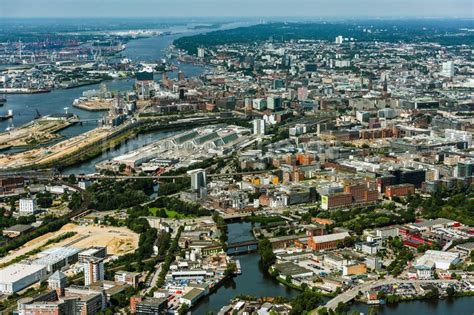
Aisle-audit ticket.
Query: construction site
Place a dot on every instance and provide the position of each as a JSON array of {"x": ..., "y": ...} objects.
[
  {"x": 39, "y": 131},
  {"x": 119, "y": 240}
]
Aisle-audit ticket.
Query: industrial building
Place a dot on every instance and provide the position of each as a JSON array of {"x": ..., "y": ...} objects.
[
  {"x": 438, "y": 259},
  {"x": 19, "y": 276},
  {"x": 57, "y": 258},
  {"x": 147, "y": 305},
  {"x": 329, "y": 241}
]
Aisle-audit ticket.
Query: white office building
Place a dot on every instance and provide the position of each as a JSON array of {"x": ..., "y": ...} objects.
[
  {"x": 198, "y": 178},
  {"x": 259, "y": 104},
  {"x": 274, "y": 102},
  {"x": 198, "y": 182},
  {"x": 200, "y": 52},
  {"x": 28, "y": 206},
  {"x": 447, "y": 69},
  {"x": 259, "y": 127},
  {"x": 93, "y": 270}
]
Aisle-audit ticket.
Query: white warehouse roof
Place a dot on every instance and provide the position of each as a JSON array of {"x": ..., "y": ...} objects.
[
  {"x": 440, "y": 259},
  {"x": 16, "y": 272},
  {"x": 330, "y": 237}
]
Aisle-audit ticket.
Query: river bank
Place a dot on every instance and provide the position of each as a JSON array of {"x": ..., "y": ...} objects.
[
  {"x": 461, "y": 306},
  {"x": 253, "y": 281}
]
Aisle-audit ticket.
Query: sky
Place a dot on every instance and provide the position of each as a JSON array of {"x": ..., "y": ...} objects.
[{"x": 237, "y": 8}]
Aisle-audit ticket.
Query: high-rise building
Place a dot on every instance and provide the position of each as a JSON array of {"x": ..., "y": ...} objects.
[
  {"x": 302, "y": 93},
  {"x": 259, "y": 127},
  {"x": 93, "y": 270},
  {"x": 259, "y": 104},
  {"x": 200, "y": 52},
  {"x": 198, "y": 181},
  {"x": 274, "y": 102},
  {"x": 278, "y": 84},
  {"x": 448, "y": 69},
  {"x": 286, "y": 61},
  {"x": 339, "y": 39}
]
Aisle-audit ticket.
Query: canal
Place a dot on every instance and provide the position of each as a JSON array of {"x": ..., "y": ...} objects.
[
  {"x": 88, "y": 167},
  {"x": 253, "y": 280}
]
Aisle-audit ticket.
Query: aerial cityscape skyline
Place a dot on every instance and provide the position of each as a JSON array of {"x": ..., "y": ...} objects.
[
  {"x": 238, "y": 8},
  {"x": 236, "y": 157}
]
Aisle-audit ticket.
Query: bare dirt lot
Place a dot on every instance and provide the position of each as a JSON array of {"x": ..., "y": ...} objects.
[{"x": 119, "y": 240}]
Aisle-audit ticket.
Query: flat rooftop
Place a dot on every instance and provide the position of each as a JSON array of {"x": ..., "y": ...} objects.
[
  {"x": 19, "y": 228},
  {"x": 330, "y": 237},
  {"x": 18, "y": 271},
  {"x": 291, "y": 269}
]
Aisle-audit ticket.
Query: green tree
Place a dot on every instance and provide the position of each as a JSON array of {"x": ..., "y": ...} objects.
[
  {"x": 265, "y": 250},
  {"x": 305, "y": 302}
]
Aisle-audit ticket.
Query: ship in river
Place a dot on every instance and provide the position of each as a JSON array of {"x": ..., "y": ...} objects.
[
  {"x": 23, "y": 90},
  {"x": 9, "y": 115}
]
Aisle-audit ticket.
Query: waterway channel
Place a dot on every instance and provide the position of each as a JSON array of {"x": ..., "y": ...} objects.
[{"x": 253, "y": 280}]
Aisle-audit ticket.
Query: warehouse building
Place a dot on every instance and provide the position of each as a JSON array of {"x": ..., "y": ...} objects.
[
  {"x": 57, "y": 258},
  {"x": 329, "y": 241},
  {"x": 19, "y": 276},
  {"x": 438, "y": 259}
]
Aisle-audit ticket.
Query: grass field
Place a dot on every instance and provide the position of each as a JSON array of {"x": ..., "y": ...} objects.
[{"x": 170, "y": 213}]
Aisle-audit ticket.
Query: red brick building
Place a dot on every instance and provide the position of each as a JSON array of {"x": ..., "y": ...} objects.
[
  {"x": 329, "y": 241},
  {"x": 357, "y": 191},
  {"x": 371, "y": 195},
  {"x": 399, "y": 190},
  {"x": 336, "y": 200}
]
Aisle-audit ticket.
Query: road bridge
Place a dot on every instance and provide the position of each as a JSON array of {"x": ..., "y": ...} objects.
[{"x": 242, "y": 247}]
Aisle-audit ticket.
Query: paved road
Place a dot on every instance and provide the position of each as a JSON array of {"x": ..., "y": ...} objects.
[
  {"x": 351, "y": 294},
  {"x": 154, "y": 278}
]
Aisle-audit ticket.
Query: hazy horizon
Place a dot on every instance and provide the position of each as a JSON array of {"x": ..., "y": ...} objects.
[{"x": 343, "y": 9}]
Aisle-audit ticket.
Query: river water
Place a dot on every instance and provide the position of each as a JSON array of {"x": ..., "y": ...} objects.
[
  {"x": 25, "y": 106},
  {"x": 253, "y": 281},
  {"x": 459, "y": 306},
  {"x": 139, "y": 141}
]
